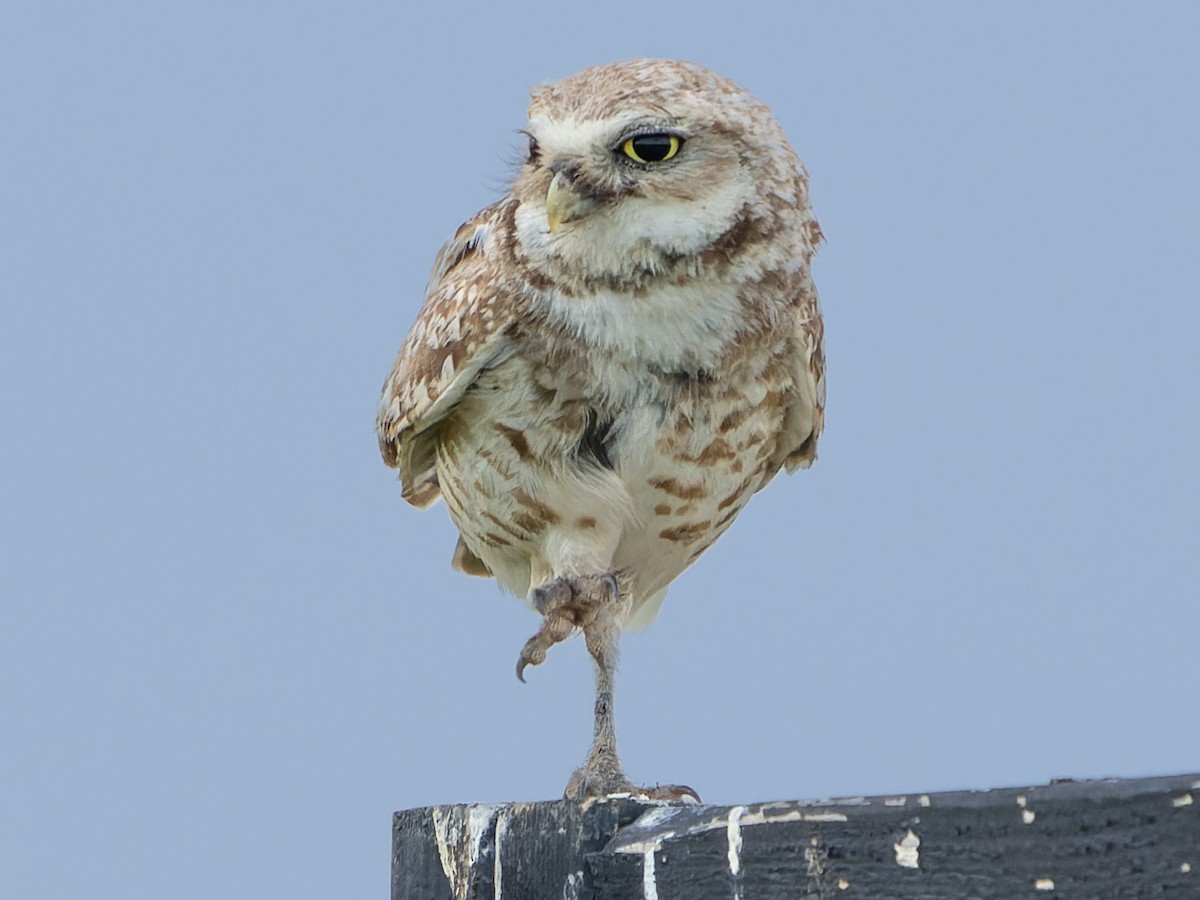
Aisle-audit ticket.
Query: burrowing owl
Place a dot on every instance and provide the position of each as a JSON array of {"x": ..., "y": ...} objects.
[{"x": 615, "y": 356}]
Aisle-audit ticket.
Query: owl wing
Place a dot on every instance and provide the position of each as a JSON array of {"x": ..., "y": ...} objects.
[
  {"x": 804, "y": 418},
  {"x": 461, "y": 330}
]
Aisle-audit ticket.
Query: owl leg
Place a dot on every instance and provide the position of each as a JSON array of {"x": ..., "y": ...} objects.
[
  {"x": 593, "y": 603},
  {"x": 601, "y": 775},
  {"x": 566, "y": 603}
]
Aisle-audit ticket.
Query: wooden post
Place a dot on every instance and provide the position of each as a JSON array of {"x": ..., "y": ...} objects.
[{"x": 1134, "y": 838}]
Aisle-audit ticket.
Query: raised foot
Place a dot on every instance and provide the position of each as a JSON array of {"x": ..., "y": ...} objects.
[
  {"x": 588, "y": 783},
  {"x": 565, "y": 604}
]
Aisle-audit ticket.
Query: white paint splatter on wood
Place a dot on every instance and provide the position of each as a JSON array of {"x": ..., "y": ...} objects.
[
  {"x": 1044, "y": 884},
  {"x": 1027, "y": 815},
  {"x": 1182, "y": 800},
  {"x": 574, "y": 882},
  {"x": 649, "y": 881},
  {"x": 908, "y": 853},
  {"x": 733, "y": 834},
  {"x": 459, "y": 833},
  {"x": 497, "y": 872},
  {"x": 648, "y": 832}
]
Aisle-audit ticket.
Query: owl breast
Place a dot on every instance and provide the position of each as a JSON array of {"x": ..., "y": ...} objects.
[{"x": 568, "y": 458}]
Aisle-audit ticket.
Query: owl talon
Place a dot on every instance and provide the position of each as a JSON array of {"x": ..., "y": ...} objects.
[
  {"x": 551, "y": 596},
  {"x": 590, "y": 782},
  {"x": 565, "y": 604},
  {"x": 533, "y": 653},
  {"x": 614, "y": 586}
]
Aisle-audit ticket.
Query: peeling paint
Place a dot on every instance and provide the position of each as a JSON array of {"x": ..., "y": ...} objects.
[
  {"x": 924, "y": 800},
  {"x": 649, "y": 881},
  {"x": 648, "y": 821},
  {"x": 733, "y": 834},
  {"x": 459, "y": 833},
  {"x": 477, "y": 823},
  {"x": 1185, "y": 867},
  {"x": 1182, "y": 800},
  {"x": 843, "y": 884},
  {"x": 1044, "y": 884},
  {"x": 908, "y": 852},
  {"x": 895, "y": 801},
  {"x": 652, "y": 829},
  {"x": 1027, "y": 815},
  {"x": 497, "y": 873},
  {"x": 571, "y": 888},
  {"x": 814, "y": 861}
]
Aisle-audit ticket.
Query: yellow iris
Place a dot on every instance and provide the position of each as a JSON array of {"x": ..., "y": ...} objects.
[{"x": 651, "y": 148}]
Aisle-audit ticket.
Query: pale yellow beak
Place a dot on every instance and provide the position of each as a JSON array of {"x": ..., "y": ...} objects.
[{"x": 565, "y": 204}]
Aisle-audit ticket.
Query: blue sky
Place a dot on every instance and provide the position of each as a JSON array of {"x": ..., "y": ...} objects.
[{"x": 228, "y": 650}]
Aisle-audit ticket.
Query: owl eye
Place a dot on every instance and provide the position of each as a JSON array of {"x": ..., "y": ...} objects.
[{"x": 651, "y": 148}]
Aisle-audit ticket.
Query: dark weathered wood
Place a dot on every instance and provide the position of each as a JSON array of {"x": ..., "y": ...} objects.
[{"x": 1132, "y": 838}]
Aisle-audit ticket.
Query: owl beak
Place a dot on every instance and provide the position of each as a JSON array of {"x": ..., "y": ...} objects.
[{"x": 564, "y": 203}]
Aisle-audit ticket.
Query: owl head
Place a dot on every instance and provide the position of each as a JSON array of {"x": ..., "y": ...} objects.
[{"x": 637, "y": 169}]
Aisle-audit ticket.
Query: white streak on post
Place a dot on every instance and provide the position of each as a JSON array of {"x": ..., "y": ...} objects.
[
  {"x": 654, "y": 828},
  {"x": 497, "y": 873},
  {"x": 480, "y": 818},
  {"x": 733, "y": 833},
  {"x": 447, "y": 831},
  {"x": 649, "y": 882},
  {"x": 459, "y": 834}
]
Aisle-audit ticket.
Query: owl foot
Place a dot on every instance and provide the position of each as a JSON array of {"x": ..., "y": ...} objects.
[
  {"x": 595, "y": 781},
  {"x": 565, "y": 604}
]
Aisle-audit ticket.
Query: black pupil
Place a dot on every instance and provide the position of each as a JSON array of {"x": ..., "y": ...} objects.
[{"x": 652, "y": 147}]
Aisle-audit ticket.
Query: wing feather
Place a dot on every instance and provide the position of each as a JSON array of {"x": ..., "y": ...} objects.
[
  {"x": 460, "y": 331},
  {"x": 808, "y": 409},
  {"x": 805, "y": 416}
]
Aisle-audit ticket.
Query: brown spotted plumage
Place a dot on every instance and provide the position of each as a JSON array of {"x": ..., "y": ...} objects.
[{"x": 614, "y": 357}]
